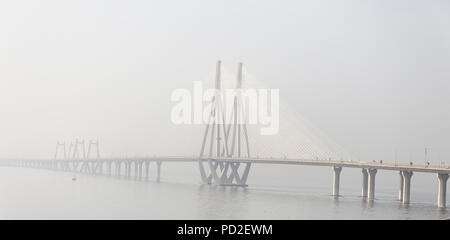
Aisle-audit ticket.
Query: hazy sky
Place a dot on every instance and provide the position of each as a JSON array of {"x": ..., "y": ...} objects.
[{"x": 372, "y": 75}]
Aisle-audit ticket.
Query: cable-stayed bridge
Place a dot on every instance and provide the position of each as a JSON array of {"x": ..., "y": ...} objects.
[{"x": 225, "y": 157}]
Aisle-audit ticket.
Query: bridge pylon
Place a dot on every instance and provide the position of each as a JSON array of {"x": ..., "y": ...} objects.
[
  {"x": 61, "y": 145},
  {"x": 78, "y": 147},
  {"x": 93, "y": 146},
  {"x": 220, "y": 137}
]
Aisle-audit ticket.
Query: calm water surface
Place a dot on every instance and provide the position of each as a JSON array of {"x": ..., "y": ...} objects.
[{"x": 274, "y": 192}]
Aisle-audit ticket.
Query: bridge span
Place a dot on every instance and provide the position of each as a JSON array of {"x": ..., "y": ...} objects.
[
  {"x": 224, "y": 158},
  {"x": 138, "y": 168}
]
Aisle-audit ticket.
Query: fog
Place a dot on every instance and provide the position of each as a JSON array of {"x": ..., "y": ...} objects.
[{"x": 373, "y": 76}]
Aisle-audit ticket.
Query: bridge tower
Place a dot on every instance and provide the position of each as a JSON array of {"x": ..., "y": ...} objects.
[
  {"x": 217, "y": 134},
  {"x": 58, "y": 146},
  {"x": 76, "y": 149},
  {"x": 93, "y": 145},
  {"x": 238, "y": 139}
]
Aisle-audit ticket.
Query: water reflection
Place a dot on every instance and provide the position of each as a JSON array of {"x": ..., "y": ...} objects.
[
  {"x": 55, "y": 195},
  {"x": 219, "y": 202}
]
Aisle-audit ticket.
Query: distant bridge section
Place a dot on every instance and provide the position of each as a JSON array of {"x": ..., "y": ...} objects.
[{"x": 138, "y": 168}]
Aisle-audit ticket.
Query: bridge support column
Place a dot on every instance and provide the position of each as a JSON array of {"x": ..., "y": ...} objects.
[
  {"x": 147, "y": 165},
  {"x": 365, "y": 183},
  {"x": 371, "y": 172},
  {"x": 245, "y": 175},
  {"x": 158, "y": 173},
  {"x": 442, "y": 177},
  {"x": 136, "y": 169},
  {"x": 118, "y": 169},
  {"x": 128, "y": 169},
  {"x": 139, "y": 176},
  {"x": 400, "y": 190},
  {"x": 336, "y": 178},
  {"x": 406, "y": 186},
  {"x": 101, "y": 167}
]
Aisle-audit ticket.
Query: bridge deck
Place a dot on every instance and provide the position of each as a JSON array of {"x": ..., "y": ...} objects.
[
  {"x": 351, "y": 164},
  {"x": 288, "y": 161}
]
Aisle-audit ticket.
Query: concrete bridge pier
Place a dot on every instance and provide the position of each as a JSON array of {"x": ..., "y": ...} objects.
[
  {"x": 400, "y": 190},
  {"x": 136, "y": 170},
  {"x": 140, "y": 170},
  {"x": 128, "y": 169},
  {"x": 100, "y": 167},
  {"x": 158, "y": 173},
  {"x": 147, "y": 165},
  {"x": 118, "y": 170},
  {"x": 109, "y": 168},
  {"x": 336, "y": 178},
  {"x": 442, "y": 193},
  {"x": 365, "y": 183},
  {"x": 406, "y": 186},
  {"x": 371, "y": 172}
]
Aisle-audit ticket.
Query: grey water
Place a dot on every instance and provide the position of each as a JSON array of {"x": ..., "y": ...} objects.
[{"x": 274, "y": 192}]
